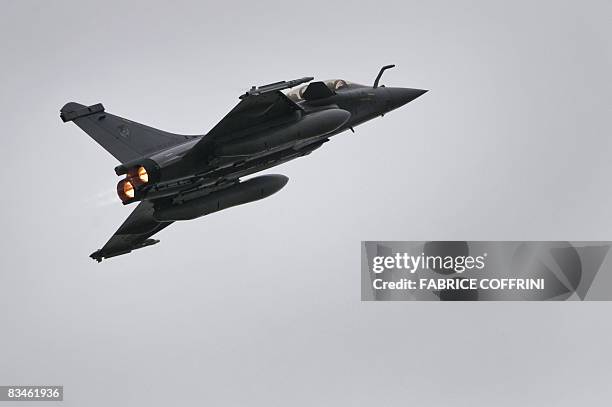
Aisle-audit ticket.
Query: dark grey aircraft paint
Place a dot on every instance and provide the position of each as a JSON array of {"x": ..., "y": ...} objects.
[{"x": 178, "y": 177}]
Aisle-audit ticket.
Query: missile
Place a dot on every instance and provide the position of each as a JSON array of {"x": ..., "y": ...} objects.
[
  {"x": 238, "y": 194},
  {"x": 312, "y": 125}
]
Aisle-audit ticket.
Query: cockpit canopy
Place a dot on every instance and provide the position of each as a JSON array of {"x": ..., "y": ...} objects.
[{"x": 334, "y": 84}]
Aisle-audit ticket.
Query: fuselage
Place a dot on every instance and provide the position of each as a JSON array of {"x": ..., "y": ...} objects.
[{"x": 277, "y": 143}]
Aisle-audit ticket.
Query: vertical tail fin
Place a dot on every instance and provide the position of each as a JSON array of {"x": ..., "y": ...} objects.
[{"x": 124, "y": 139}]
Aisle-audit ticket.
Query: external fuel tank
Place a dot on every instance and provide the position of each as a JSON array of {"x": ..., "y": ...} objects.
[
  {"x": 238, "y": 194},
  {"x": 311, "y": 125}
]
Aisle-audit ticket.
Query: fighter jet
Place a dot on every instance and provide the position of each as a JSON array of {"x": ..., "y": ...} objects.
[{"x": 181, "y": 177}]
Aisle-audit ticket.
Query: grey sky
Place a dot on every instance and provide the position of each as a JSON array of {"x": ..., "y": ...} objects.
[{"x": 259, "y": 304}]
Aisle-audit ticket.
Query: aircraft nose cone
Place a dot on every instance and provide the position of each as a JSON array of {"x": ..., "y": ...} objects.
[{"x": 398, "y": 97}]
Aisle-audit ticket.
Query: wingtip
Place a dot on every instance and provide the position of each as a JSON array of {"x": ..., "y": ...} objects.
[{"x": 97, "y": 255}]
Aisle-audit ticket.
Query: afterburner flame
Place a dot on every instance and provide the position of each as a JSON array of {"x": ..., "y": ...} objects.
[
  {"x": 142, "y": 175},
  {"x": 128, "y": 189},
  {"x": 125, "y": 190}
]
